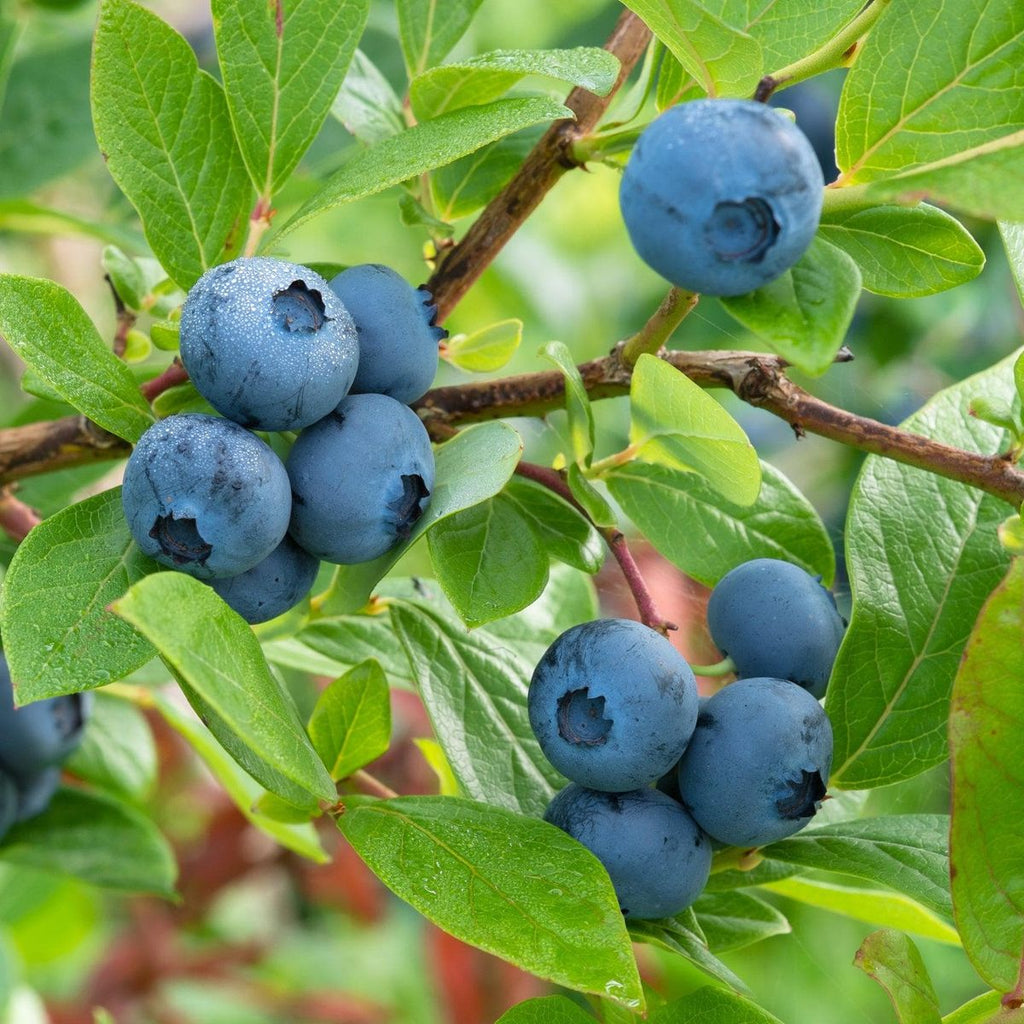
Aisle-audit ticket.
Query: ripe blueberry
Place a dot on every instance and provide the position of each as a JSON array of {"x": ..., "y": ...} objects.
[
  {"x": 756, "y": 768},
  {"x": 360, "y": 479},
  {"x": 206, "y": 496},
  {"x": 774, "y": 619},
  {"x": 397, "y": 328},
  {"x": 272, "y": 586},
  {"x": 655, "y": 854},
  {"x": 41, "y": 735},
  {"x": 612, "y": 704},
  {"x": 721, "y": 196},
  {"x": 267, "y": 343}
]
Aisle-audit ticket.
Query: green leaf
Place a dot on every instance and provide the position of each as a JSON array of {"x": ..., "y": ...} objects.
[
  {"x": 568, "y": 599},
  {"x": 164, "y": 128},
  {"x": 488, "y": 560},
  {"x": 1013, "y": 243},
  {"x": 546, "y": 1010},
  {"x": 986, "y": 845},
  {"x": 58, "y": 635},
  {"x": 681, "y": 935},
  {"x": 706, "y": 536},
  {"x": 282, "y": 65},
  {"x": 804, "y": 314},
  {"x": 423, "y": 148},
  {"x": 366, "y": 104},
  {"x": 484, "y": 78},
  {"x": 675, "y": 423},
  {"x": 984, "y": 1009},
  {"x": 117, "y": 752},
  {"x": 895, "y": 963},
  {"x": 472, "y": 467},
  {"x": 930, "y": 107},
  {"x": 516, "y": 887},
  {"x": 97, "y": 839},
  {"x": 589, "y": 498},
  {"x": 563, "y": 531},
  {"x": 712, "y": 1006},
  {"x": 47, "y": 327},
  {"x": 786, "y": 29},
  {"x": 464, "y": 186},
  {"x": 35, "y": 218},
  {"x": 723, "y": 60},
  {"x": 918, "y": 584},
  {"x": 45, "y": 113},
  {"x": 485, "y": 350},
  {"x": 351, "y": 723},
  {"x": 239, "y": 786},
  {"x": 905, "y": 251},
  {"x": 218, "y": 662},
  {"x": 332, "y": 645},
  {"x": 577, "y": 402},
  {"x": 428, "y": 29},
  {"x": 732, "y": 920},
  {"x": 475, "y": 693},
  {"x": 906, "y": 852},
  {"x": 873, "y": 906}
]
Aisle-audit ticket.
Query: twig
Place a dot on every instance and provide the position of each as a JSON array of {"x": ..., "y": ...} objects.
[
  {"x": 757, "y": 378},
  {"x": 546, "y": 163},
  {"x": 614, "y": 538},
  {"x": 674, "y": 309}
]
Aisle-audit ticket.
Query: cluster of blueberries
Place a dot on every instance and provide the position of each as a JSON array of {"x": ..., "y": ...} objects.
[
  {"x": 660, "y": 776},
  {"x": 273, "y": 346},
  {"x": 721, "y": 196},
  {"x": 35, "y": 741}
]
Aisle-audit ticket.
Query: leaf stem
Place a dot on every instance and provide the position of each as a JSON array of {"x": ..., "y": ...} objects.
[
  {"x": 836, "y": 53},
  {"x": 371, "y": 785},
  {"x": 655, "y": 333}
]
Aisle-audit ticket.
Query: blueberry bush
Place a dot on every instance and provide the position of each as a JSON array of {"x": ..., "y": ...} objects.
[{"x": 264, "y": 563}]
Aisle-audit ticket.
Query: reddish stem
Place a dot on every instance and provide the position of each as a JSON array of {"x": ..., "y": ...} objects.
[
  {"x": 174, "y": 374},
  {"x": 613, "y": 537},
  {"x": 16, "y": 518}
]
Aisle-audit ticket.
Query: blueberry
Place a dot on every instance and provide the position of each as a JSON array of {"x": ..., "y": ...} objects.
[
  {"x": 272, "y": 586},
  {"x": 612, "y": 704},
  {"x": 41, "y": 735},
  {"x": 721, "y": 196},
  {"x": 205, "y": 496},
  {"x": 655, "y": 854},
  {"x": 757, "y": 766},
  {"x": 267, "y": 343},
  {"x": 360, "y": 478},
  {"x": 774, "y": 619},
  {"x": 397, "y": 328}
]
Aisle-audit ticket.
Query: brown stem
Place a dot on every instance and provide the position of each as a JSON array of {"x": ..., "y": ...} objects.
[
  {"x": 546, "y": 163},
  {"x": 174, "y": 374},
  {"x": 757, "y": 378},
  {"x": 614, "y": 538}
]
